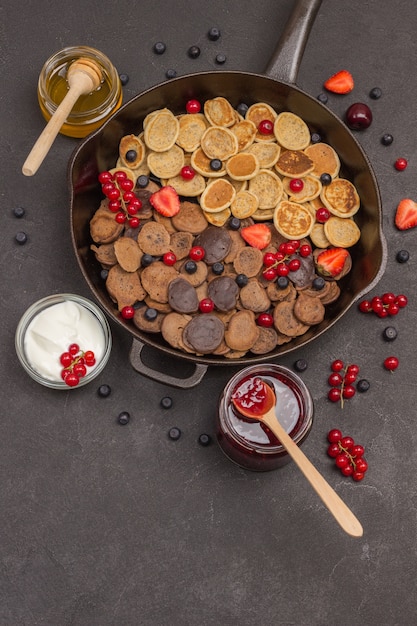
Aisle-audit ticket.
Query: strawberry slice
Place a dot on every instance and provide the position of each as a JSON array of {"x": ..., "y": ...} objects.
[
  {"x": 256, "y": 235},
  {"x": 165, "y": 201},
  {"x": 406, "y": 214},
  {"x": 330, "y": 262},
  {"x": 341, "y": 82}
]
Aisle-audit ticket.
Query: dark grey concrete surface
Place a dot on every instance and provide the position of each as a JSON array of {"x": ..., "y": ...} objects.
[{"x": 103, "y": 525}]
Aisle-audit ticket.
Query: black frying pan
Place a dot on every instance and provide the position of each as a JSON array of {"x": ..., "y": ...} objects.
[{"x": 98, "y": 152}]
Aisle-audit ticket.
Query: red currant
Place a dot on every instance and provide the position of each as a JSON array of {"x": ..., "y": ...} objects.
[
  {"x": 279, "y": 256},
  {"x": 89, "y": 357},
  {"x": 187, "y": 172},
  {"x": 270, "y": 273},
  {"x": 127, "y": 184},
  {"x": 335, "y": 379},
  {"x": 333, "y": 450},
  {"x": 358, "y": 475},
  {"x": 134, "y": 222},
  {"x": 393, "y": 308},
  {"x": 113, "y": 194},
  {"x": 127, "y": 313},
  {"x": 391, "y": 363},
  {"x": 348, "y": 391},
  {"x": 104, "y": 177},
  {"x": 401, "y": 300},
  {"x": 265, "y": 320},
  {"x": 361, "y": 465},
  {"x": 74, "y": 349},
  {"x": 120, "y": 218},
  {"x": 131, "y": 209},
  {"x": 334, "y": 435},
  {"x": 334, "y": 394},
  {"x": 350, "y": 377},
  {"x": 322, "y": 215},
  {"x": 357, "y": 451},
  {"x": 387, "y": 298},
  {"x": 65, "y": 359},
  {"x": 347, "y": 442},
  {"x": 193, "y": 106},
  {"x": 342, "y": 460},
  {"x": 353, "y": 369},
  {"x": 206, "y": 305},
  {"x": 337, "y": 365},
  {"x": 114, "y": 206},
  {"x": 136, "y": 202},
  {"x": 296, "y": 185},
  {"x": 365, "y": 306},
  {"x": 169, "y": 258},
  {"x": 108, "y": 188},
  {"x": 80, "y": 369},
  {"x": 269, "y": 259},
  {"x": 266, "y": 127},
  {"x": 347, "y": 471},
  {"x": 294, "y": 265},
  {"x": 282, "y": 269},
  {"x": 72, "y": 380},
  {"x": 400, "y": 164},
  {"x": 120, "y": 175},
  {"x": 197, "y": 253},
  {"x": 305, "y": 250}
]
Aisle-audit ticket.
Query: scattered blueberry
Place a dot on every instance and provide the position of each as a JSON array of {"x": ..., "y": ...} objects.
[
  {"x": 387, "y": 139},
  {"x": 318, "y": 283},
  {"x": 241, "y": 280},
  {"x": 104, "y": 391},
  {"x": 146, "y": 260},
  {"x": 316, "y": 138},
  {"x": 151, "y": 314},
  {"x": 375, "y": 93},
  {"x": 193, "y": 52},
  {"x": 363, "y": 385},
  {"x": 21, "y": 238},
  {"x": 174, "y": 433},
  {"x": 123, "y": 418},
  {"x": 190, "y": 267},
  {"x": 220, "y": 59},
  {"x": 215, "y": 165},
  {"x": 323, "y": 98},
  {"x": 124, "y": 79},
  {"x": 204, "y": 440},
  {"x": 142, "y": 181},
  {"x": 402, "y": 256},
  {"x": 325, "y": 179},
  {"x": 214, "y": 34},
  {"x": 103, "y": 274},
  {"x": 282, "y": 282},
  {"x": 300, "y": 365},
  {"x": 159, "y": 47},
  {"x": 18, "y": 212},
  {"x": 234, "y": 223},
  {"x": 171, "y": 74},
  {"x": 242, "y": 109},
  {"x": 389, "y": 333},
  {"x": 217, "y": 268},
  {"x": 166, "y": 402}
]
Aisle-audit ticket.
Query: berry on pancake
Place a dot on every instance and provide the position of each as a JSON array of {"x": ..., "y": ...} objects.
[
  {"x": 256, "y": 235},
  {"x": 165, "y": 201}
]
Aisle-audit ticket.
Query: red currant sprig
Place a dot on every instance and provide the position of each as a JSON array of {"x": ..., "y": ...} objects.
[
  {"x": 75, "y": 363},
  {"x": 383, "y": 306},
  {"x": 347, "y": 455},
  {"x": 341, "y": 381},
  {"x": 282, "y": 262},
  {"x": 118, "y": 188}
]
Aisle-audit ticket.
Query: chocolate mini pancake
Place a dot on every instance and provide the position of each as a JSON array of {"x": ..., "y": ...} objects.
[
  {"x": 182, "y": 296},
  {"x": 180, "y": 244},
  {"x": 105, "y": 254},
  {"x": 154, "y": 239},
  {"x": 125, "y": 288},
  {"x": 192, "y": 127},
  {"x": 341, "y": 198},
  {"x": 143, "y": 323},
  {"x": 190, "y": 218},
  {"x": 248, "y": 261},
  {"x": 204, "y": 333},
  {"x": 242, "y": 166},
  {"x": 293, "y": 220},
  {"x": 172, "y": 328},
  {"x": 128, "y": 254},
  {"x": 267, "y": 153},
  {"x": 216, "y": 243},
  {"x": 309, "y": 310},
  {"x": 267, "y": 187},
  {"x": 161, "y": 129},
  {"x": 201, "y": 163},
  {"x": 325, "y": 159},
  {"x": 219, "y": 112},
  {"x": 342, "y": 232},
  {"x": 132, "y": 152},
  {"x": 245, "y": 132},
  {"x": 166, "y": 164},
  {"x": 254, "y": 297},
  {"x": 306, "y": 273},
  {"x": 266, "y": 341},
  {"x": 286, "y": 322},
  {"x": 217, "y": 196},
  {"x": 224, "y": 292},
  {"x": 218, "y": 142},
  {"x": 291, "y": 131},
  {"x": 242, "y": 331},
  {"x": 156, "y": 278},
  {"x": 294, "y": 164}
]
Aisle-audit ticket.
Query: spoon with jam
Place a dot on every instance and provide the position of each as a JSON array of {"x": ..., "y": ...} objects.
[{"x": 259, "y": 405}]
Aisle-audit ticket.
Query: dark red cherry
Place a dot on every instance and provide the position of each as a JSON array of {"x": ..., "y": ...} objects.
[{"x": 358, "y": 116}]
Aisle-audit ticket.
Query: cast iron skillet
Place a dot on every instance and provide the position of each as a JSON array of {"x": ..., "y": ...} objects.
[{"x": 98, "y": 152}]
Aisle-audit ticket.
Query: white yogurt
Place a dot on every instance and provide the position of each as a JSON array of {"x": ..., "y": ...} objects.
[{"x": 51, "y": 332}]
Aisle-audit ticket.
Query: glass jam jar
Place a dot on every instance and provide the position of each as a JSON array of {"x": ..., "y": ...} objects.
[
  {"x": 251, "y": 444},
  {"x": 93, "y": 109}
]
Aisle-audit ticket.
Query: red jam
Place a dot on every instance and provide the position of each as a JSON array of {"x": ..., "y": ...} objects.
[
  {"x": 251, "y": 394},
  {"x": 250, "y": 443}
]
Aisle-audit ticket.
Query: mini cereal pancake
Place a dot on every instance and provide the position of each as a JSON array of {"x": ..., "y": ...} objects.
[
  {"x": 267, "y": 153},
  {"x": 253, "y": 297},
  {"x": 129, "y": 172},
  {"x": 242, "y": 331},
  {"x": 166, "y": 164},
  {"x": 154, "y": 239},
  {"x": 267, "y": 341},
  {"x": 198, "y": 277},
  {"x": 217, "y": 196},
  {"x": 131, "y": 152},
  {"x": 189, "y": 188},
  {"x": 259, "y": 112},
  {"x": 263, "y": 215},
  {"x": 236, "y": 244},
  {"x": 190, "y": 218},
  {"x": 318, "y": 236},
  {"x": 204, "y": 333},
  {"x": 141, "y": 321},
  {"x": 218, "y": 219},
  {"x": 309, "y": 310},
  {"x": 162, "y": 307},
  {"x": 291, "y": 131},
  {"x": 286, "y": 322},
  {"x": 245, "y": 131},
  {"x": 161, "y": 130},
  {"x": 201, "y": 163},
  {"x": 248, "y": 261},
  {"x": 320, "y": 293},
  {"x": 137, "y": 171},
  {"x": 180, "y": 244},
  {"x": 294, "y": 164},
  {"x": 267, "y": 187},
  {"x": 332, "y": 294},
  {"x": 218, "y": 142},
  {"x": 125, "y": 288},
  {"x": 182, "y": 296},
  {"x": 216, "y": 243},
  {"x": 293, "y": 220},
  {"x": 103, "y": 226},
  {"x": 239, "y": 185},
  {"x": 219, "y": 112},
  {"x": 192, "y": 127},
  {"x": 105, "y": 254},
  {"x": 341, "y": 198},
  {"x": 342, "y": 232},
  {"x": 156, "y": 278},
  {"x": 325, "y": 159},
  {"x": 311, "y": 189},
  {"x": 276, "y": 294},
  {"x": 244, "y": 205},
  {"x": 172, "y": 327},
  {"x": 128, "y": 254},
  {"x": 242, "y": 166},
  {"x": 224, "y": 292}
]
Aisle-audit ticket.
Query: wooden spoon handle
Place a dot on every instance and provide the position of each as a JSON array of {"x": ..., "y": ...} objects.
[
  {"x": 47, "y": 137},
  {"x": 340, "y": 511}
]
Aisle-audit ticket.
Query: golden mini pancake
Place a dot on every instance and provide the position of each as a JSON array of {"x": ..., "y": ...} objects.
[
  {"x": 267, "y": 187},
  {"x": 136, "y": 171},
  {"x": 166, "y": 164},
  {"x": 263, "y": 215},
  {"x": 219, "y": 143},
  {"x": 245, "y": 131},
  {"x": 161, "y": 130},
  {"x": 294, "y": 164},
  {"x": 156, "y": 278},
  {"x": 129, "y": 172},
  {"x": 259, "y": 112},
  {"x": 293, "y": 220},
  {"x": 325, "y": 159},
  {"x": 218, "y": 219},
  {"x": 340, "y": 197},
  {"x": 201, "y": 163},
  {"x": 132, "y": 152},
  {"x": 218, "y": 195},
  {"x": 244, "y": 205},
  {"x": 291, "y": 131},
  {"x": 172, "y": 327},
  {"x": 318, "y": 236},
  {"x": 191, "y": 188},
  {"x": 267, "y": 153},
  {"x": 342, "y": 232},
  {"x": 242, "y": 166},
  {"x": 242, "y": 331},
  {"x": 219, "y": 112},
  {"x": 311, "y": 189},
  {"x": 191, "y": 129},
  {"x": 128, "y": 254}
]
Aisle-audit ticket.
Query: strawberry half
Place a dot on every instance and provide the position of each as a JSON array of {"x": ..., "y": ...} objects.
[
  {"x": 406, "y": 214},
  {"x": 256, "y": 235},
  {"x": 330, "y": 262},
  {"x": 165, "y": 201},
  {"x": 341, "y": 82}
]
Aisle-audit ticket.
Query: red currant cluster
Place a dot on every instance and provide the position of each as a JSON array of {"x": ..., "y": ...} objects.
[
  {"x": 341, "y": 381},
  {"x": 347, "y": 455},
  {"x": 282, "y": 262},
  {"x": 118, "y": 188},
  {"x": 75, "y": 363},
  {"x": 385, "y": 305}
]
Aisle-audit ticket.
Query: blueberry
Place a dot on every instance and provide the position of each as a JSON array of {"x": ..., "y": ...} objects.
[
  {"x": 214, "y": 34},
  {"x": 375, "y": 93},
  {"x": 325, "y": 179},
  {"x": 402, "y": 256},
  {"x": 146, "y": 260},
  {"x": 241, "y": 280},
  {"x": 318, "y": 283},
  {"x": 215, "y": 165},
  {"x": 171, "y": 74},
  {"x": 159, "y": 47},
  {"x": 204, "y": 440},
  {"x": 124, "y": 79},
  {"x": 18, "y": 212},
  {"x": 363, "y": 385},
  {"x": 174, "y": 433},
  {"x": 300, "y": 365},
  {"x": 142, "y": 181},
  {"x": 131, "y": 155},
  {"x": 242, "y": 109},
  {"x": 282, "y": 282},
  {"x": 316, "y": 138},
  {"x": 220, "y": 59},
  {"x": 389, "y": 333},
  {"x": 103, "y": 274},
  {"x": 21, "y": 238},
  {"x": 166, "y": 402},
  {"x": 323, "y": 98},
  {"x": 387, "y": 139},
  {"x": 234, "y": 223},
  {"x": 218, "y": 268},
  {"x": 151, "y": 314},
  {"x": 104, "y": 391},
  {"x": 190, "y": 267},
  {"x": 123, "y": 418},
  {"x": 193, "y": 52}
]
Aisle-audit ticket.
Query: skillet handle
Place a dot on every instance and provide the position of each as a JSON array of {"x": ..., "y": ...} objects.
[
  {"x": 182, "y": 383},
  {"x": 285, "y": 61}
]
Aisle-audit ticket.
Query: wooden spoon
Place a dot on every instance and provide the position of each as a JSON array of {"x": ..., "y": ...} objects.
[
  {"x": 265, "y": 413},
  {"x": 83, "y": 76}
]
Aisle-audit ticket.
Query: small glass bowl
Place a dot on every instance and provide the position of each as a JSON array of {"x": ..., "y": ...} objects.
[
  {"x": 250, "y": 444},
  {"x": 90, "y": 111},
  {"x": 39, "y": 306}
]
